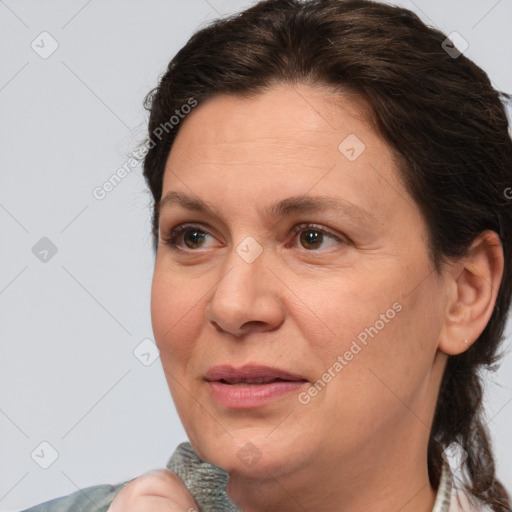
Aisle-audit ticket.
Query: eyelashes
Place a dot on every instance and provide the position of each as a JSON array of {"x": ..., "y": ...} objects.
[{"x": 177, "y": 236}]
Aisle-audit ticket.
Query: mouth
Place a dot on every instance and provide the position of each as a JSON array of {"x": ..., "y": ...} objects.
[
  {"x": 250, "y": 386},
  {"x": 250, "y": 374},
  {"x": 253, "y": 381}
]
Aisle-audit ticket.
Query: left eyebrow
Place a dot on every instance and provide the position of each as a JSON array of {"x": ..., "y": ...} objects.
[
  {"x": 304, "y": 204},
  {"x": 295, "y": 204}
]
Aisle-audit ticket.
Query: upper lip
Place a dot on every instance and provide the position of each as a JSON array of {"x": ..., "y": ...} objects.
[{"x": 249, "y": 372}]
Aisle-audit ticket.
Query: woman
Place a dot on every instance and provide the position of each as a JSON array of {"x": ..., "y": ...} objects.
[{"x": 333, "y": 265}]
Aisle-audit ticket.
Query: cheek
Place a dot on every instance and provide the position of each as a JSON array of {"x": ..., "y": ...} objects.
[
  {"x": 175, "y": 315},
  {"x": 395, "y": 362},
  {"x": 382, "y": 379},
  {"x": 354, "y": 307},
  {"x": 377, "y": 327}
]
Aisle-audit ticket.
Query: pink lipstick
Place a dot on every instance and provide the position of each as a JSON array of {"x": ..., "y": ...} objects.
[{"x": 250, "y": 386}]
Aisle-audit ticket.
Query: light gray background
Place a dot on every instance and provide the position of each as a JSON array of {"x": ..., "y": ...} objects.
[{"x": 68, "y": 375}]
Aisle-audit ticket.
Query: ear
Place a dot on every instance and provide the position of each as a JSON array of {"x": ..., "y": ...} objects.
[{"x": 473, "y": 282}]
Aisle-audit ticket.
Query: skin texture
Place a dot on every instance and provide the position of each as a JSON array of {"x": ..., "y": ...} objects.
[{"x": 361, "y": 442}]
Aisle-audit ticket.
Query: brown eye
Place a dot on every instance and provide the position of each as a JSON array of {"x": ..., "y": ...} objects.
[
  {"x": 311, "y": 238},
  {"x": 193, "y": 238},
  {"x": 185, "y": 237},
  {"x": 314, "y": 238}
]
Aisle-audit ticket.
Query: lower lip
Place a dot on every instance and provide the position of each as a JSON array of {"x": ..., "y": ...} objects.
[{"x": 250, "y": 396}]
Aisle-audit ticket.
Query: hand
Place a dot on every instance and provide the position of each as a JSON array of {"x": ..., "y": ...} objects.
[{"x": 156, "y": 491}]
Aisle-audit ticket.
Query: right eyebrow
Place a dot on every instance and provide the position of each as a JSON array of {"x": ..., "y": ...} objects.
[{"x": 188, "y": 202}]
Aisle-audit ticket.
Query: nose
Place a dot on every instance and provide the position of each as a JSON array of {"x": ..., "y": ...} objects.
[{"x": 247, "y": 298}]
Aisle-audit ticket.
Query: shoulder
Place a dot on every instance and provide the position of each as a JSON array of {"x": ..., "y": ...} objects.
[{"x": 96, "y": 498}]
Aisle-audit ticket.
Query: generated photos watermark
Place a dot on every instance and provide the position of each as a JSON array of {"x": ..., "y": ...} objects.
[
  {"x": 355, "y": 348},
  {"x": 100, "y": 192}
]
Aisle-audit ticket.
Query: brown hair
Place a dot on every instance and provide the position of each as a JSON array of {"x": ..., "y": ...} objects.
[{"x": 440, "y": 114}]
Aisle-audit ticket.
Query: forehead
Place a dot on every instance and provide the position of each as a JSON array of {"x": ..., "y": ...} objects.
[
  {"x": 280, "y": 118},
  {"x": 289, "y": 140}
]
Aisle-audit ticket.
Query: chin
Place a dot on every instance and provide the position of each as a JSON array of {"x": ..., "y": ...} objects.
[{"x": 247, "y": 454}]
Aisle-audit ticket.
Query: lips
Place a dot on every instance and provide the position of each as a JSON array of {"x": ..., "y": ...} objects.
[
  {"x": 251, "y": 386},
  {"x": 250, "y": 374}
]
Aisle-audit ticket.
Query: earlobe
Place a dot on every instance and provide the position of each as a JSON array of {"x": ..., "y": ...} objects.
[{"x": 474, "y": 281}]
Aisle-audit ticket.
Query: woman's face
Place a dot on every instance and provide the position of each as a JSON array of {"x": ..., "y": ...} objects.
[{"x": 309, "y": 259}]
